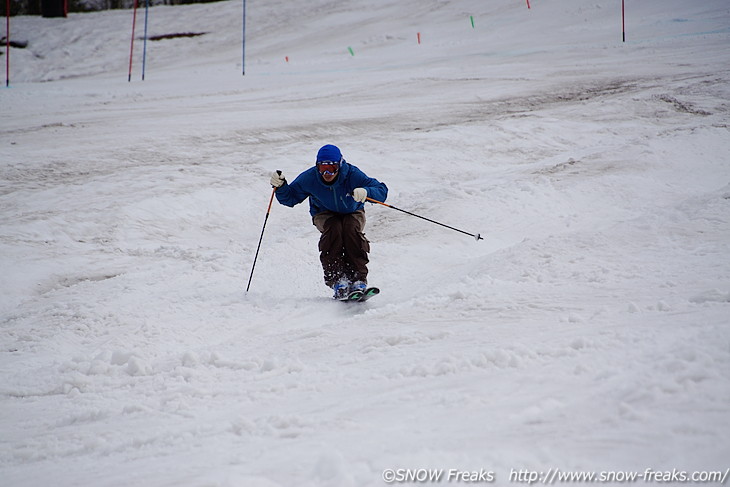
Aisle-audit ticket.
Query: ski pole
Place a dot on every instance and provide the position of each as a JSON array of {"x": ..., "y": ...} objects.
[
  {"x": 477, "y": 236},
  {"x": 268, "y": 210}
]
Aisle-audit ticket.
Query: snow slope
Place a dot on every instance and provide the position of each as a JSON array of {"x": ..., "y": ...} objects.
[{"x": 589, "y": 331}]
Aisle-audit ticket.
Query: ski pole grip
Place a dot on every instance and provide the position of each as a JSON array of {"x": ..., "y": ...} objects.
[{"x": 278, "y": 171}]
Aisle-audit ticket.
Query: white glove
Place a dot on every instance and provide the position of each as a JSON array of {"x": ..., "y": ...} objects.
[
  {"x": 277, "y": 179},
  {"x": 360, "y": 194}
]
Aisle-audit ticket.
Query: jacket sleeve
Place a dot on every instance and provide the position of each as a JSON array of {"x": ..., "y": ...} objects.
[
  {"x": 291, "y": 194},
  {"x": 376, "y": 190}
]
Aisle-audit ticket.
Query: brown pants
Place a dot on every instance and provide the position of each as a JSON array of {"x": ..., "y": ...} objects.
[{"x": 343, "y": 247}]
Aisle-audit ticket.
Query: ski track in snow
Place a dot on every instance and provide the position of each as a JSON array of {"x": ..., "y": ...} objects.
[{"x": 588, "y": 331}]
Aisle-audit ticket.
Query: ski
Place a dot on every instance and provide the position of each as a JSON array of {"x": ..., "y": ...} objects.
[{"x": 360, "y": 296}]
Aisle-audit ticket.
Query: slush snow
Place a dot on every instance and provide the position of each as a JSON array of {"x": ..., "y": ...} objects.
[{"x": 588, "y": 331}]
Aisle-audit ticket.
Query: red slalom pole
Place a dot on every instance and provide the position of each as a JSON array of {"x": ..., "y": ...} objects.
[
  {"x": 131, "y": 47},
  {"x": 528, "y": 4},
  {"x": 7, "y": 43}
]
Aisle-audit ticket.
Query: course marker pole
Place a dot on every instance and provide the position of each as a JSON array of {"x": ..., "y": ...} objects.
[
  {"x": 7, "y": 43},
  {"x": 144, "y": 49},
  {"x": 243, "y": 42},
  {"x": 131, "y": 46}
]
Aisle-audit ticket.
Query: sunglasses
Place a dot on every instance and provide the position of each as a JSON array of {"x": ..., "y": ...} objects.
[{"x": 328, "y": 168}]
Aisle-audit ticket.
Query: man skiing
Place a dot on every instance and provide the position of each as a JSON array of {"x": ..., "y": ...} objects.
[{"x": 336, "y": 192}]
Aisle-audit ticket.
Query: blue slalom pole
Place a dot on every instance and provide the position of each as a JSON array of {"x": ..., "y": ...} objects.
[{"x": 144, "y": 50}]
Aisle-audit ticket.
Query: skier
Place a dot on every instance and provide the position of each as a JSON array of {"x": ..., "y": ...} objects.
[{"x": 336, "y": 192}]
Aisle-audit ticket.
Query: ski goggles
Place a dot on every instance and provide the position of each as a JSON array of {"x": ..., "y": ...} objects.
[{"x": 328, "y": 168}]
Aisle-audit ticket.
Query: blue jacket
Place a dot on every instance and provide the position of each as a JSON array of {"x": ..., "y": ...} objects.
[{"x": 333, "y": 197}]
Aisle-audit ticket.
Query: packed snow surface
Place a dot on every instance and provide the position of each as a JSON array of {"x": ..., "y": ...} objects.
[{"x": 589, "y": 330}]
